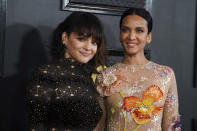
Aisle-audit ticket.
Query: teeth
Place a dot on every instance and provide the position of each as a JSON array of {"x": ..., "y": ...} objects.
[{"x": 131, "y": 44}]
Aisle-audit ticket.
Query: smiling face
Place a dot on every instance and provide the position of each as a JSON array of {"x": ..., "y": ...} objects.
[
  {"x": 134, "y": 34},
  {"x": 79, "y": 48}
]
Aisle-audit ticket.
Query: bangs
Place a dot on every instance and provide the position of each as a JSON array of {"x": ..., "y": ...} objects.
[
  {"x": 88, "y": 27},
  {"x": 86, "y": 32}
]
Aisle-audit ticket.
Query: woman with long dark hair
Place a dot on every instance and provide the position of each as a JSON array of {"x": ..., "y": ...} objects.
[
  {"x": 61, "y": 95},
  {"x": 141, "y": 95}
]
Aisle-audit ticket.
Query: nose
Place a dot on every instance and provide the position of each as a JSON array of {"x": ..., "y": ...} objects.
[
  {"x": 87, "y": 45},
  {"x": 132, "y": 35}
]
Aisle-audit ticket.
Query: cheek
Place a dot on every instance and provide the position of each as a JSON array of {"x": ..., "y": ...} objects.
[
  {"x": 94, "y": 50},
  {"x": 143, "y": 39},
  {"x": 76, "y": 45},
  {"x": 122, "y": 37}
]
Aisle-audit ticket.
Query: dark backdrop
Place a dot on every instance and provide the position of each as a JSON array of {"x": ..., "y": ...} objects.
[{"x": 28, "y": 32}]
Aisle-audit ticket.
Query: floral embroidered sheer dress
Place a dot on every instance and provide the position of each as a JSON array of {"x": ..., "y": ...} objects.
[{"x": 142, "y": 97}]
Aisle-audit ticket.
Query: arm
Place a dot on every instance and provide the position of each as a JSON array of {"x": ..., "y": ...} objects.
[
  {"x": 101, "y": 125},
  {"x": 171, "y": 117},
  {"x": 36, "y": 101}
]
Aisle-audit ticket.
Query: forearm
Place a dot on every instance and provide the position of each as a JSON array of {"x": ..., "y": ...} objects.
[{"x": 101, "y": 124}]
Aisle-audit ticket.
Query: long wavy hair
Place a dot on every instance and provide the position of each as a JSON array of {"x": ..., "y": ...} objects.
[{"x": 87, "y": 25}]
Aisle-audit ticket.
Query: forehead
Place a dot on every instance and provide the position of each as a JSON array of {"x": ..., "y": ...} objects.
[
  {"x": 76, "y": 34},
  {"x": 134, "y": 20}
]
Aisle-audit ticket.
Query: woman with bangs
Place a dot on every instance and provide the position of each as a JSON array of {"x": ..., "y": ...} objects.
[{"x": 61, "y": 95}]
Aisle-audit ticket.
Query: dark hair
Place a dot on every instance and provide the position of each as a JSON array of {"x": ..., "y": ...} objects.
[
  {"x": 140, "y": 12},
  {"x": 85, "y": 24}
]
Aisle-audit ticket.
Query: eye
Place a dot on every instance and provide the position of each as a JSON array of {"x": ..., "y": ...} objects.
[
  {"x": 80, "y": 38},
  {"x": 94, "y": 43},
  {"x": 124, "y": 30},
  {"x": 139, "y": 31}
]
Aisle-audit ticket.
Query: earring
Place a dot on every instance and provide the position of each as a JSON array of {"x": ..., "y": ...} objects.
[{"x": 148, "y": 42}]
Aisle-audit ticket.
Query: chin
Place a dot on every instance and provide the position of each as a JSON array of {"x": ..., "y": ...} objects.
[
  {"x": 84, "y": 60},
  {"x": 130, "y": 52}
]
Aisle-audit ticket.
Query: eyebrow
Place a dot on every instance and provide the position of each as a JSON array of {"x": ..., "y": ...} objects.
[
  {"x": 140, "y": 28},
  {"x": 124, "y": 26}
]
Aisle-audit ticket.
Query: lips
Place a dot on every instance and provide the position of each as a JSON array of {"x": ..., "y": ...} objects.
[
  {"x": 85, "y": 53},
  {"x": 131, "y": 44}
]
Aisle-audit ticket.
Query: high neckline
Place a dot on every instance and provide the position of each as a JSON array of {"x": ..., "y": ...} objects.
[
  {"x": 70, "y": 61},
  {"x": 75, "y": 65},
  {"x": 139, "y": 65},
  {"x": 134, "y": 68}
]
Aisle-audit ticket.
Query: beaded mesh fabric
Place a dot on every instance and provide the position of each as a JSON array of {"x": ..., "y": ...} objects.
[
  {"x": 140, "y": 97},
  {"x": 61, "y": 96}
]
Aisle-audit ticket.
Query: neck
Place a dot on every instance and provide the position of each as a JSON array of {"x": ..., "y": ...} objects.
[
  {"x": 67, "y": 56},
  {"x": 135, "y": 59}
]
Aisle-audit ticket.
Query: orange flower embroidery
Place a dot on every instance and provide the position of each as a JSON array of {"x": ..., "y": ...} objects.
[{"x": 142, "y": 110}]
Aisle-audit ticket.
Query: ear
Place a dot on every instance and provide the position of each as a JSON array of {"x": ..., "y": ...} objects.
[
  {"x": 64, "y": 38},
  {"x": 149, "y": 37}
]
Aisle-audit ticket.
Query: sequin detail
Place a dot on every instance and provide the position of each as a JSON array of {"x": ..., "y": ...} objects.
[
  {"x": 62, "y": 96},
  {"x": 99, "y": 68},
  {"x": 143, "y": 109},
  {"x": 151, "y": 108},
  {"x": 176, "y": 124}
]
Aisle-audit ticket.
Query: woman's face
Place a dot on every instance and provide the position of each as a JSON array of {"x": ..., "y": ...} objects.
[
  {"x": 134, "y": 34},
  {"x": 79, "y": 48}
]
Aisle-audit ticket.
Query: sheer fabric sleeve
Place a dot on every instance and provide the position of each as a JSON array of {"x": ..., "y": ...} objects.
[
  {"x": 37, "y": 100},
  {"x": 171, "y": 117},
  {"x": 101, "y": 124}
]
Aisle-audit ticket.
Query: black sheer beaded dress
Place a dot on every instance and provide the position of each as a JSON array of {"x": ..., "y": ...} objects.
[{"x": 61, "y": 96}]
